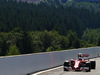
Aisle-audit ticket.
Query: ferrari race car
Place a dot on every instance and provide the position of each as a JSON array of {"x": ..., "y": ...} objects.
[{"x": 82, "y": 63}]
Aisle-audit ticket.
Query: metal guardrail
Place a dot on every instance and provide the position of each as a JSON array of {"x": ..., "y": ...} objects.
[{"x": 25, "y": 64}]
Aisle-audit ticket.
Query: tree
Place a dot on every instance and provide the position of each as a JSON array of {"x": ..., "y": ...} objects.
[
  {"x": 91, "y": 35},
  {"x": 64, "y": 42},
  {"x": 37, "y": 44},
  {"x": 51, "y": 40},
  {"x": 26, "y": 43},
  {"x": 98, "y": 43},
  {"x": 13, "y": 50},
  {"x": 73, "y": 40}
]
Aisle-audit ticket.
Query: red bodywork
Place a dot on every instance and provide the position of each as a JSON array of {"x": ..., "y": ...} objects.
[
  {"x": 76, "y": 64},
  {"x": 79, "y": 63},
  {"x": 85, "y": 55}
]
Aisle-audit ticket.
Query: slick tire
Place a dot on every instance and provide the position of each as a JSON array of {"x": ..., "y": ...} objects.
[
  {"x": 89, "y": 66},
  {"x": 66, "y": 69},
  {"x": 66, "y": 64},
  {"x": 93, "y": 64}
]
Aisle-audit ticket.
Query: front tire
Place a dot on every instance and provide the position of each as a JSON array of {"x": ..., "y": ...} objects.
[
  {"x": 93, "y": 64},
  {"x": 89, "y": 66},
  {"x": 66, "y": 64},
  {"x": 66, "y": 69}
]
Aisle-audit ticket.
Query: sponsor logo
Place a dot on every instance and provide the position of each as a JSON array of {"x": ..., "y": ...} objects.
[{"x": 76, "y": 64}]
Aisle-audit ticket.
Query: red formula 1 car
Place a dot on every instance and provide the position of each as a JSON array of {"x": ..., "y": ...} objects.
[{"x": 82, "y": 63}]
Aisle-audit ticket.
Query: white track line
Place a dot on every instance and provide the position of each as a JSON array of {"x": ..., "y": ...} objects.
[{"x": 46, "y": 71}]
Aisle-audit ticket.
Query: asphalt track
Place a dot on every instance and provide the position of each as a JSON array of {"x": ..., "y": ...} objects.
[{"x": 59, "y": 71}]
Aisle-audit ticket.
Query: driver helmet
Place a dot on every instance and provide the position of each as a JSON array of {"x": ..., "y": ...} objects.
[{"x": 80, "y": 55}]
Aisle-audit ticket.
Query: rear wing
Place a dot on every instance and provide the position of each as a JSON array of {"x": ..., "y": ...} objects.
[
  {"x": 82, "y": 55},
  {"x": 85, "y": 55}
]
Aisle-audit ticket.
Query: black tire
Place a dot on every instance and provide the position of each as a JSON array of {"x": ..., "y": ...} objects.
[
  {"x": 66, "y": 64},
  {"x": 93, "y": 64},
  {"x": 66, "y": 69},
  {"x": 89, "y": 66}
]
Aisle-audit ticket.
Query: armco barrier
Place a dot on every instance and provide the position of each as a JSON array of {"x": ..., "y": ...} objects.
[{"x": 25, "y": 64}]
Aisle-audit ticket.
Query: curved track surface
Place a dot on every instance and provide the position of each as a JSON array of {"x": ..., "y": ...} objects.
[{"x": 59, "y": 71}]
